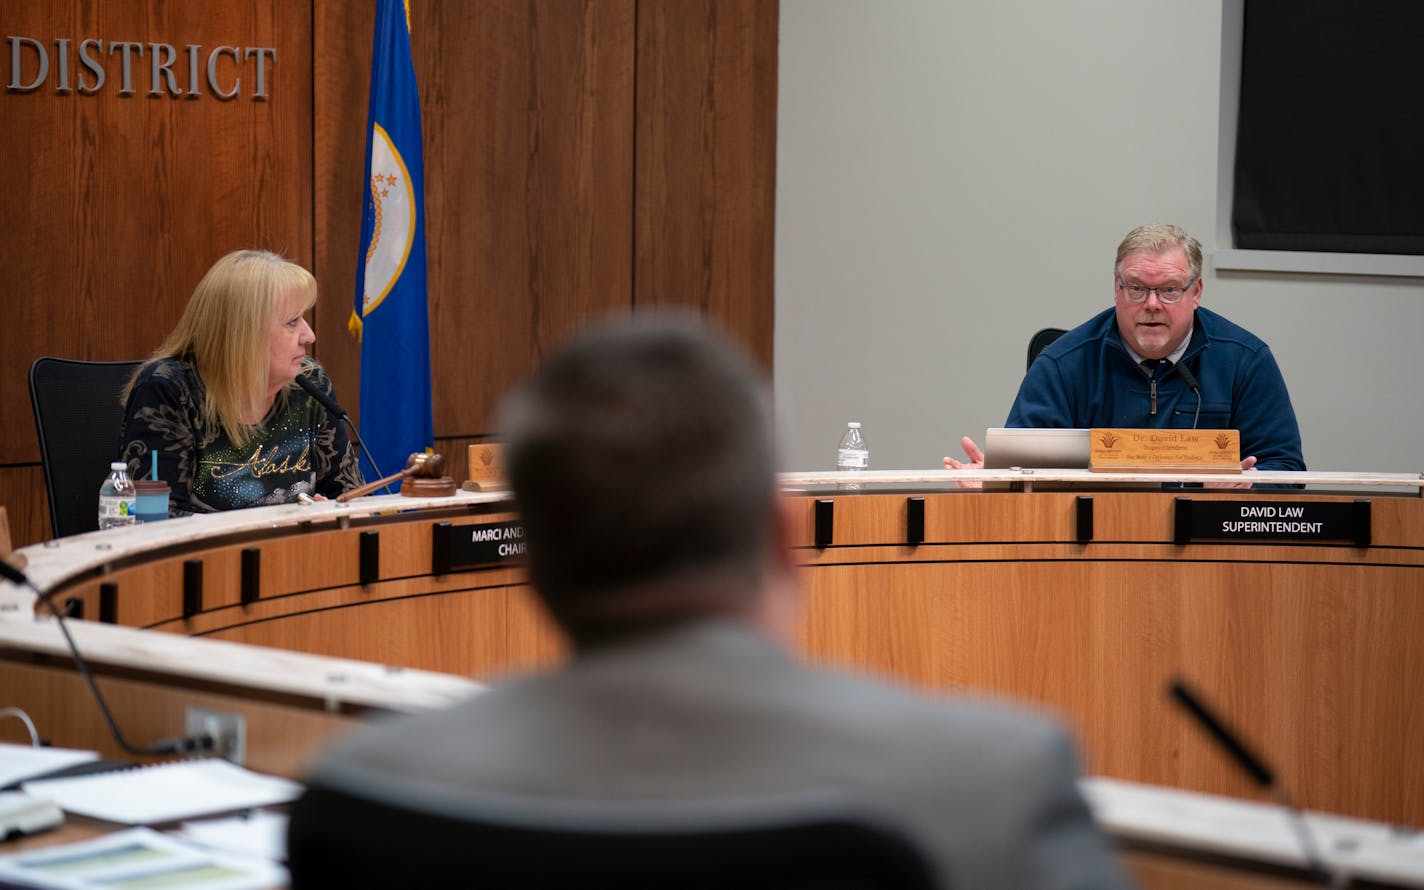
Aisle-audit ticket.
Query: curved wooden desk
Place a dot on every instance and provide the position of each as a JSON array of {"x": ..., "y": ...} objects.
[{"x": 1308, "y": 649}]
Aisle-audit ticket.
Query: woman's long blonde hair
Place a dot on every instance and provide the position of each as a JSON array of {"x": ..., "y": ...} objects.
[{"x": 226, "y": 328}]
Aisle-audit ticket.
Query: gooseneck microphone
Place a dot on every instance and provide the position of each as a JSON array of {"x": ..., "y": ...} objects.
[
  {"x": 1224, "y": 737},
  {"x": 338, "y": 413},
  {"x": 326, "y": 401},
  {"x": 1261, "y": 775},
  {"x": 182, "y": 745},
  {"x": 1190, "y": 380}
]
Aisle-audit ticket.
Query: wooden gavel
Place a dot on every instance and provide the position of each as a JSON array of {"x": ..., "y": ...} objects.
[{"x": 417, "y": 466}]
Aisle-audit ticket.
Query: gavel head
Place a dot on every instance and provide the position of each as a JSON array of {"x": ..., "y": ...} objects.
[{"x": 425, "y": 466}]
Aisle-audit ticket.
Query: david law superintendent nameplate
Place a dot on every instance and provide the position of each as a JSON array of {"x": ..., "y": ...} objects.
[
  {"x": 1164, "y": 451},
  {"x": 1290, "y": 522}
]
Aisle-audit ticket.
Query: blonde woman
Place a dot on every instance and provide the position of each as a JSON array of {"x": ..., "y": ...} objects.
[{"x": 217, "y": 401}]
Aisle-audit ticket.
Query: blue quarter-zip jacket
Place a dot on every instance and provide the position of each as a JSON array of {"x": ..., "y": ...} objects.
[{"x": 1086, "y": 378}]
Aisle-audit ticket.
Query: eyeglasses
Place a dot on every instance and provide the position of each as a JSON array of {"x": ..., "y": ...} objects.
[{"x": 1168, "y": 294}]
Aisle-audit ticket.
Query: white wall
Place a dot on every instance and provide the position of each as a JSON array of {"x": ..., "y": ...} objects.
[{"x": 955, "y": 174}]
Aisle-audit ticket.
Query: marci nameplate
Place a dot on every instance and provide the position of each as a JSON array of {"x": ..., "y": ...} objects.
[
  {"x": 465, "y": 546},
  {"x": 1164, "y": 451},
  {"x": 1293, "y": 522}
]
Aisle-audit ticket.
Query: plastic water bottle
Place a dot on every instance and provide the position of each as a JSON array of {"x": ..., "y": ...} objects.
[
  {"x": 116, "y": 497},
  {"x": 853, "y": 453}
]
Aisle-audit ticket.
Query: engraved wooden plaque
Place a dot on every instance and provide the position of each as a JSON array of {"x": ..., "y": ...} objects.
[
  {"x": 486, "y": 467},
  {"x": 1164, "y": 451}
]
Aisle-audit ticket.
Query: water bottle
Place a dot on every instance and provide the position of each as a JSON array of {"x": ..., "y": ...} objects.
[
  {"x": 853, "y": 453},
  {"x": 116, "y": 497}
]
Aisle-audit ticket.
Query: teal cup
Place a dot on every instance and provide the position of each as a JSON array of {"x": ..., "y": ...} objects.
[{"x": 151, "y": 500}]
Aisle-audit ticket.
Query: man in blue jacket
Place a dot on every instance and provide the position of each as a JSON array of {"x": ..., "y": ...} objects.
[{"x": 1157, "y": 359}]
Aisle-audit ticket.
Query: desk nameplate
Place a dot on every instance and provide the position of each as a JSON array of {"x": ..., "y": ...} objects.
[
  {"x": 1253, "y": 521},
  {"x": 456, "y": 547},
  {"x": 1164, "y": 450}
]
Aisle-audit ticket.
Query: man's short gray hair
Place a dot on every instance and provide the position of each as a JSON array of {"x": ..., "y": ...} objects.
[{"x": 1156, "y": 238}]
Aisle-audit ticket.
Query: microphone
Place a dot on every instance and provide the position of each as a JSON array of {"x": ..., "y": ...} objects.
[
  {"x": 338, "y": 413},
  {"x": 326, "y": 401},
  {"x": 182, "y": 745},
  {"x": 1190, "y": 380},
  {"x": 1260, "y": 774}
]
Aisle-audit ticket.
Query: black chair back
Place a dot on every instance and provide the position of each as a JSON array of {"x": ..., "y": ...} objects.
[
  {"x": 78, "y": 416},
  {"x": 1039, "y": 340},
  {"x": 341, "y": 838}
]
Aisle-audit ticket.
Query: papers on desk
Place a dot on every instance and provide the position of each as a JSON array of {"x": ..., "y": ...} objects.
[
  {"x": 165, "y": 792},
  {"x": 1253, "y": 831},
  {"x": 137, "y": 859},
  {"x": 261, "y": 833},
  {"x": 21, "y": 762}
]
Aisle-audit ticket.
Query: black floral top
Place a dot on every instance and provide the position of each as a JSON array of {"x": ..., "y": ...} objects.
[{"x": 297, "y": 448}]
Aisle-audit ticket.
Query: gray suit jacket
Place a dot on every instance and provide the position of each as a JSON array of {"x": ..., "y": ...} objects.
[{"x": 714, "y": 710}]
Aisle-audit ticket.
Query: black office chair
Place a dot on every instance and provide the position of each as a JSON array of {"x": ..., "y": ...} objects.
[
  {"x": 1039, "y": 340},
  {"x": 438, "y": 838},
  {"x": 78, "y": 416}
]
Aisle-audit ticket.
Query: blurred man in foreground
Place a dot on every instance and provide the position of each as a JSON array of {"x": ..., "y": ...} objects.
[{"x": 641, "y": 460}]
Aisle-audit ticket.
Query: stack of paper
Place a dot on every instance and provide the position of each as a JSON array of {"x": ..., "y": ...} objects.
[
  {"x": 165, "y": 792},
  {"x": 133, "y": 859},
  {"x": 21, "y": 762}
]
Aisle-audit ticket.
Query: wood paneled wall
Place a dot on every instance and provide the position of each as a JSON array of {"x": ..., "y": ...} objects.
[
  {"x": 580, "y": 158},
  {"x": 116, "y": 204},
  {"x": 706, "y": 161}
]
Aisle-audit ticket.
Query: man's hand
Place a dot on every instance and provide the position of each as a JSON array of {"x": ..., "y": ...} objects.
[
  {"x": 976, "y": 457},
  {"x": 975, "y": 462},
  {"x": 1247, "y": 466}
]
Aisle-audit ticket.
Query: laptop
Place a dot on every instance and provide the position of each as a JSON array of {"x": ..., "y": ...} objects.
[{"x": 1065, "y": 449}]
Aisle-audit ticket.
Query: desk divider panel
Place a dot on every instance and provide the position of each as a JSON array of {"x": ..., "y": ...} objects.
[
  {"x": 251, "y": 575},
  {"x": 914, "y": 521},
  {"x": 192, "y": 587},
  {"x": 370, "y": 557}
]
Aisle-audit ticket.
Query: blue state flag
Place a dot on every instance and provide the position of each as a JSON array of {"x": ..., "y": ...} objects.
[{"x": 390, "y": 315}]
